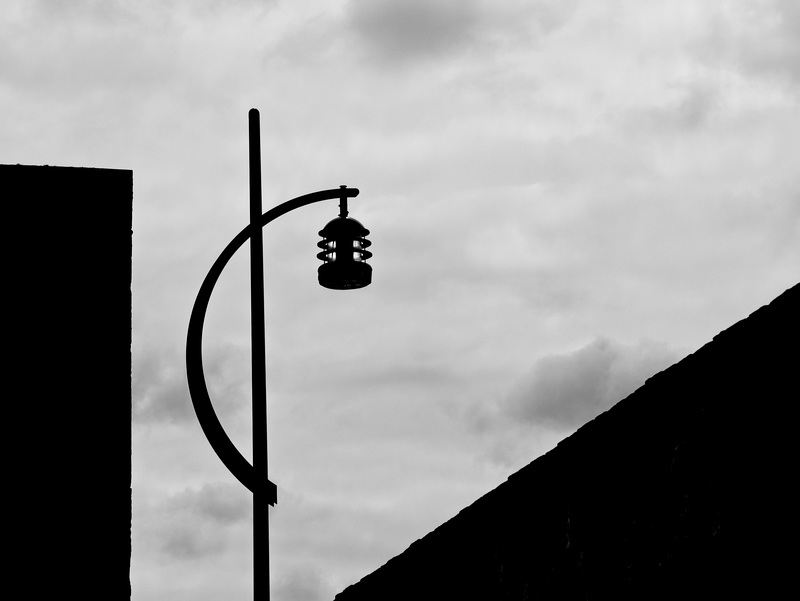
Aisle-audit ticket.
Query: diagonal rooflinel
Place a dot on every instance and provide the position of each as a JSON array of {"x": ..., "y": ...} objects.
[{"x": 683, "y": 490}]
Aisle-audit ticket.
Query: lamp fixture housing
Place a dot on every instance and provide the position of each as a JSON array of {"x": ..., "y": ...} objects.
[{"x": 344, "y": 254}]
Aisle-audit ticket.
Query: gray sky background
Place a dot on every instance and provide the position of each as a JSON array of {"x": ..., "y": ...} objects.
[{"x": 565, "y": 197}]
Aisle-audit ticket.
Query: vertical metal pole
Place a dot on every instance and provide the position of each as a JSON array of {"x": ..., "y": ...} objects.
[{"x": 259, "y": 359}]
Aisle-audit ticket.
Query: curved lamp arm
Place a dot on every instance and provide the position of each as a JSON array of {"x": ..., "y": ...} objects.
[{"x": 198, "y": 391}]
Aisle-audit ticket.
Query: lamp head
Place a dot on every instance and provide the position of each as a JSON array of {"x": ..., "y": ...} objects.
[{"x": 344, "y": 254}]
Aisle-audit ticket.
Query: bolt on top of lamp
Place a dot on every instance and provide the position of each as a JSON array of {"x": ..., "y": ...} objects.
[{"x": 344, "y": 253}]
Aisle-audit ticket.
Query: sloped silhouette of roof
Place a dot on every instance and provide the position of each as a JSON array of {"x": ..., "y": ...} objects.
[{"x": 682, "y": 490}]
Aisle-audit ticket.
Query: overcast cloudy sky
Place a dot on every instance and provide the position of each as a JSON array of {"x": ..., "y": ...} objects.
[{"x": 565, "y": 197}]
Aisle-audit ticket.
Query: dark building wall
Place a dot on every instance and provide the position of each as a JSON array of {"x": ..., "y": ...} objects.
[
  {"x": 683, "y": 490},
  {"x": 68, "y": 244}
]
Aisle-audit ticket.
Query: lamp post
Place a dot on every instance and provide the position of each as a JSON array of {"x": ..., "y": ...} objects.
[{"x": 344, "y": 267}]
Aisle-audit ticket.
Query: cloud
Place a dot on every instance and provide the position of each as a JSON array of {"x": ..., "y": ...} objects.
[
  {"x": 184, "y": 540},
  {"x": 407, "y": 31},
  {"x": 301, "y": 584},
  {"x": 762, "y": 39},
  {"x": 158, "y": 389},
  {"x": 112, "y": 11},
  {"x": 396, "y": 32},
  {"x": 194, "y": 523},
  {"x": 220, "y": 503},
  {"x": 560, "y": 393},
  {"x": 565, "y": 391},
  {"x": 159, "y": 392},
  {"x": 122, "y": 61}
]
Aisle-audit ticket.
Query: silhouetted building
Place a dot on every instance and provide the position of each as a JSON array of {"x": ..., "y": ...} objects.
[
  {"x": 683, "y": 490},
  {"x": 67, "y": 368}
]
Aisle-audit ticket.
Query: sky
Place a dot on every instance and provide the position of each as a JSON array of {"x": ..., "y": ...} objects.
[{"x": 564, "y": 198}]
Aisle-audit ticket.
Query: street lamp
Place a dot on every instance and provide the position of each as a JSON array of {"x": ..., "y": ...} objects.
[{"x": 344, "y": 255}]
